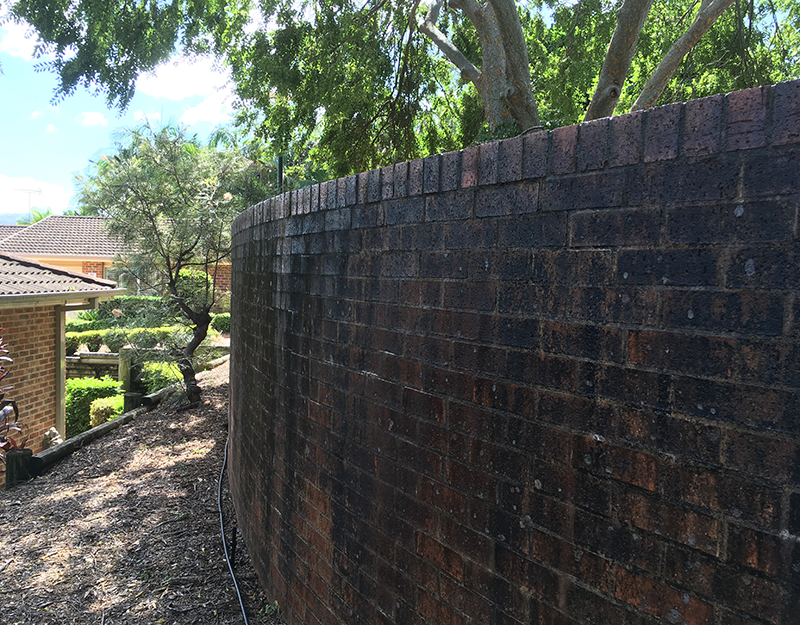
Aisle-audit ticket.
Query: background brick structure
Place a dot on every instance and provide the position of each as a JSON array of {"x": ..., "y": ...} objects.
[
  {"x": 552, "y": 379},
  {"x": 29, "y": 334}
]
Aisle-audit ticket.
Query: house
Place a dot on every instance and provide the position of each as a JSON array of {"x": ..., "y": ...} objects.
[
  {"x": 33, "y": 301},
  {"x": 72, "y": 242}
]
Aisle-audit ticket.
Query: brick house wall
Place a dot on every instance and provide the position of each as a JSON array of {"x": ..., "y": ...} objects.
[
  {"x": 29, "y": 334},
  {"x": 551, "y": 379},
  {"x": 96, "y": 269}
]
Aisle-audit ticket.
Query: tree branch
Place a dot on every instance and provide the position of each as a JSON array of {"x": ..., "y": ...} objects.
[
  {"x": 457, "y": 58},
  {"x": 708, "y": 14},
  {"x": 630, "y": 20}
]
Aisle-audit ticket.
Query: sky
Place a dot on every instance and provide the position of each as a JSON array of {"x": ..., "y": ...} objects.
[{"x": 44, "y": 144}]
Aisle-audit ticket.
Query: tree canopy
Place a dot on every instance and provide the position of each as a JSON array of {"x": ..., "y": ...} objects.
[
  {"x": 170, "y": 201},
  {"x": 345, "y": 85}
]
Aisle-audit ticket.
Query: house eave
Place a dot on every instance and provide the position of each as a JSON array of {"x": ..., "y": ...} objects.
[{"x": 73, "y": 299}]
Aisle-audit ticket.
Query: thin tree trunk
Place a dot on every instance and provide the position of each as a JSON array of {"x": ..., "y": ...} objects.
[
  {"x": 708, "y": 14},
  {"x": 630, "y": 21}
]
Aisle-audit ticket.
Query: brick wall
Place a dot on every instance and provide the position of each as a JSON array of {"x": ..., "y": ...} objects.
[
  {"x": 29, "y": 334},
  {"x": 552, "y": 379}
]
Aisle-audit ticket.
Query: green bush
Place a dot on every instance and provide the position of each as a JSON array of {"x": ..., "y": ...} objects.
[
  {"x": 73, "y": 342},
  {"x": 116, "y": 338},
  {"x": 85, "y": 325},
  {"x": 105, "y": 408},
  {"x": 195, "y": 286},
  {"x": 80, "y": 393},
  {"x": 158, "y": 375},
  {"x": 221, "y": 322},
  {"x": 93, "y": 339}
]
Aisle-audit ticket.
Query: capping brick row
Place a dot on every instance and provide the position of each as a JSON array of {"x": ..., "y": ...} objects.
[{"x": 548, "y": 379}]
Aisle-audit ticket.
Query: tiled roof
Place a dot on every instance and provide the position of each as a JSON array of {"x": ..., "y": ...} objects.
[
  {"x": 63, "y": 235},
  {"x": 7, "y": 230},
  {"x": 20, "y": 276}
]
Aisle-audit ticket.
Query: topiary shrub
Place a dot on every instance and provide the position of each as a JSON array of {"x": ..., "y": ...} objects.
[
  {"x": 158, "y": 375},
  {"x": 72, "y": 342},
  {"x": 80, "y": 393},
  {"x": 221, "y": 322},
  {"x": 105, "y": 408},
  {"x": 85, "y": 325}
]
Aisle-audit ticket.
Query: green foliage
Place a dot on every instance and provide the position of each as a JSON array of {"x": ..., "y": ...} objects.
[
  {"x": 80, "y": 393},
  {"x": 339, "y": 86},
  {"x": 116, "y": 338},
  {"x": 158, "y": 375},
  {"x": 85, "y": 325},
  {"x": 221, "y": 322},
  {"x": 131, "y": 311},
  {"x": 195, "y": 289},
  {"x": 105, "y": 408}
]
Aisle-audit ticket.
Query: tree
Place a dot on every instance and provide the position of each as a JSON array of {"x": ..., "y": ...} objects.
[
  {"x": 354, "y": 84},
  {"x": 171, "y": 202}
]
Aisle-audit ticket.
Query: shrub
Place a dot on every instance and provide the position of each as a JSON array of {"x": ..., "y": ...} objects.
[
  {"x": 105, "y": 408},
  {"x": 221, "y": 322},
  {"x": 73, "y": 342},
  {"x": 195, "y": 286},
  {"x": 93, "y": 339},
  {"x": 80, "y": 393},
  {"x": 84, "y": 325},
  {"x": 158, "y": 375}
]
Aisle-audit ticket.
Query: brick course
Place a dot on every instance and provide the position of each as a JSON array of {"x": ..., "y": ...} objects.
[{"x": 552, "y": 379}]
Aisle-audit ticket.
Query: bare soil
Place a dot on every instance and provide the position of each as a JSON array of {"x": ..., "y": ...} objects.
[{"x": 127, "y": 529}]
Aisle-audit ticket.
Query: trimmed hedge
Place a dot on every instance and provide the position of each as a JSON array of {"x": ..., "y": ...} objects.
[
  {"x": 116, "y": 338},
  {"x": 221, "y": 322},
  {"x": 105, "y": 408},
  {"x": 80, "y": 393}
]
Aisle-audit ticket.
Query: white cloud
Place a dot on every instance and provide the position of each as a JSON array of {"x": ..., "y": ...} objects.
[
  {"x": 51, "y": 128},
  {"x": 215, "y": 109},
  {"x": 18, "y": 40},
  {"x": 18, "y": 192},
  {"x": 35, "y": 114},
  {"x": 183, "y": 78},
  {"x": 93, "y": 118}
]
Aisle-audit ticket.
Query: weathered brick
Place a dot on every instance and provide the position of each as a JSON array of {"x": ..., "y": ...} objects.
[
  {"x": 415, "y": 177},
  {"x": 451, "y": 171},
  {"x": 432, "y": 173},
  {"x": 771, "y": 176},
  {"x": 742, "y": 312},
  {"x": 658, "y": 599},
  {"x": 701, "y": 355},
  {"x": 741, "y": 222},
  {"x": 536, "y": 230},
  {"x": 626, "y": 138},
  {"x": 592, "y": 143},
  {"x": 515, "y": 199},
  {"x": 667, "y": 266},
  {"x": 534, "y": 154},
  {"x": 565, "y": 143},
  {"x": 469, "y": 166},
  {"x": 618, "y": 227},
  {"x": 702, "y": 126},
  {"x": 662, "y": 129},
  {"x": 487, "y": 163},
  {"x": 450, "y": 206},
  {"x": 786, "y": 113},
  {"x": 583, "y": 341},
  {"x": 747, "y": 114},
  {"x": 509, "y": 160},
  {"x": 596, "y": 190},
  {"x": 767, "y": 267}
]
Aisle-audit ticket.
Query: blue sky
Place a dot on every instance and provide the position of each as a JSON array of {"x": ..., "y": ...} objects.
[{"x": 44, "y": 144}]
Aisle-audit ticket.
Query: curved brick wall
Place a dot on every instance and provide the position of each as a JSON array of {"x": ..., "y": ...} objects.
[{"x": 546, "y": 380}]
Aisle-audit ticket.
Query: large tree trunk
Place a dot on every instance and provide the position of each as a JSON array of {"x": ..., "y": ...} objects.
[
  {"x": 630, "y": 21},
  {"x": 503, "y": 81}
]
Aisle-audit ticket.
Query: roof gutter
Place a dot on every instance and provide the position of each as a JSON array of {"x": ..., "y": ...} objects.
[{"x": 71, "y": 300}]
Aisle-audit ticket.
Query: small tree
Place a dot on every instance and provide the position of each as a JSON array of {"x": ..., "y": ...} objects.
[{"x": 171, "y": 203}]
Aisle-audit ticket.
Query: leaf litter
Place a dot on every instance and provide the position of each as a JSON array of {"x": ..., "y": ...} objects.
[{"x": 126, "y": 530}]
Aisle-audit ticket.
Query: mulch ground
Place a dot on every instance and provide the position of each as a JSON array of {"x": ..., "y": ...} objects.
[{"x": 127, "y": 529}]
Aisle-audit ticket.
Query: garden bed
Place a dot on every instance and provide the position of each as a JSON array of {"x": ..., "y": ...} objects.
[{"x": 126, "y": 530}]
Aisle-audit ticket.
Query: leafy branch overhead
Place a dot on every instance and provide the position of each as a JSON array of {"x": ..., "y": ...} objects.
[{"x": 338, "y": 86}]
